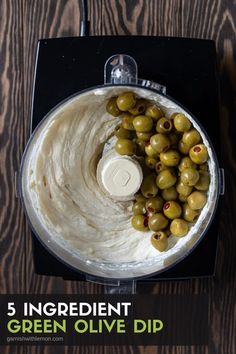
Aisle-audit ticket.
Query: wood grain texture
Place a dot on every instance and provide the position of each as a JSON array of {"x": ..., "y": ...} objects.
[
  {"x": 22, "y": 23},
  {"x": 141, "y": 17},
  {"x": 12, "y": 260}
]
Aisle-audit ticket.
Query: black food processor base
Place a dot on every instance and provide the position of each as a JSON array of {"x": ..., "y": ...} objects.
[{"x": 187, "y": 67}]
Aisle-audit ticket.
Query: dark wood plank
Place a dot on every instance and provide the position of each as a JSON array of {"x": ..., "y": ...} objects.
[
  {"x": 12, "y": 227},
  {"x": 95, "y": 17},
  {"x": 12, "y": 243},
  {"x": 141, "y": 17}
]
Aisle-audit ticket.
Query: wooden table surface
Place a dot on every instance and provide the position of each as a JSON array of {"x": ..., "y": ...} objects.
[{"x": 22, "y": 23}]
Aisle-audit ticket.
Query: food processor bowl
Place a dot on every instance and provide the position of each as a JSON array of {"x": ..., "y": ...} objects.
[{"x": 120, "y": 76}]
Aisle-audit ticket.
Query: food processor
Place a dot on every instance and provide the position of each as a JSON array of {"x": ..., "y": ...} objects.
[{"x": 121, "y": 72}]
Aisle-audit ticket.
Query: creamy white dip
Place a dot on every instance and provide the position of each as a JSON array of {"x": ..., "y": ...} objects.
[{"x": 63, "y": 189}]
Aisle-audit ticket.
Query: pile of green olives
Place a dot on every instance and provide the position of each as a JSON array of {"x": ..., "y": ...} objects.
[{"x": 174, "y": 162}]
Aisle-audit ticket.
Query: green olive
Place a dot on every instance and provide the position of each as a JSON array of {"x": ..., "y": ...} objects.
[
  {"x": 140, "y": 222},
  {"x": 172, "y": 209},
  {"x": 121, "y": 132},
  {"x": 144, "y": 136},
  {"x": 154, "y": 205},
  {"x": 169, "y": 194},
  {"x": 150, "y": 162},
  {"x": 139, "y": 107},
  {"x": 197, "y": 200},
  {"x": 181, "y": 123},
  {"x": 160, "y": 143},
  {"x": 157, "y": 222},
  {"x": 126, "y": 101},
  {"x": 160, "y": 167},
  {"x": 203, "y": 182},
  {"x": 139, "y": 208},
  {"x": 143, "y": 124},
  {"x": 150, "y": 151},
  {"x": 159, "y": 241},
  {"x": 189, "y": 176},
  {"x": 191, "y": 138},
  {"x": 112, "y": 107},
  {"x": 166, "y": 179},
  {"x": 125, "y": 147},
  {"x": 140, "y": 147},
  {"x": 189, "y": 214},
  {"x": 140, "y": 198},
  {"x": 154, "y": 112},
  {"x": 127, "y": 122},
  {"x": 183, "y": 148},
  {"x": 183, "y": 189},
  {"x": 170, "y": 158},
  {"x": 179, "y": 227},
  {"x": 198, "y": 154},
  {"x": 164, "y": 125},
  {"x": 149, "y": 188},
  {"x": 186, "y": 162},
  {"x": 183, "y": 198}
]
